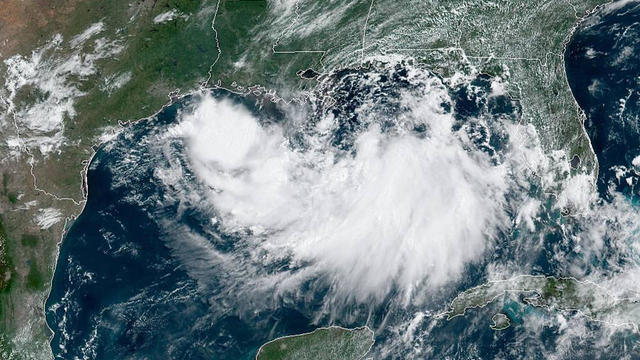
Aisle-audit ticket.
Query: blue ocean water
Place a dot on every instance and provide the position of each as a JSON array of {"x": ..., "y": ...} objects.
[
  {"x": 145, "y": 274},
  {"x": 121, "y": 281},
  {"x": 603, "y": 68}
]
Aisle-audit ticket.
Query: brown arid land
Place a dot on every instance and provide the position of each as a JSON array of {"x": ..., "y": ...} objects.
[{"x": 71, "y": 71}]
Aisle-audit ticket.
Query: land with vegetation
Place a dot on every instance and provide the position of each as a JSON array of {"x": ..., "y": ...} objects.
[
  {"x": 332, "y": 343},
  {"x": 567, "y": 295},
  {"x": 73, "y": 70}
]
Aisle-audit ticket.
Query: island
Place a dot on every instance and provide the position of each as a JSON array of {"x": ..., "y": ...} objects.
[
  {"x": 563, "y": 294},
  {"x": 95, "y": 66}
]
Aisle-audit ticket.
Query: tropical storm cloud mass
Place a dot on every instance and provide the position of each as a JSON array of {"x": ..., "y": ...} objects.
[{"x": 336, "y": 180}]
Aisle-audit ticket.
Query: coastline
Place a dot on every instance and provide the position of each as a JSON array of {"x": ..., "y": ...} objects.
[{"x": 241, "y": 90}]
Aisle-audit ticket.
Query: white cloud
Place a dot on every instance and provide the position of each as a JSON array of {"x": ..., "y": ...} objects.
[
  {"x": 108, "y": 133},
  {"x": 403, "y": 210},
  {"x": 92, "y": 30},
  {"x": 617, "y": 5},
  {"x": 46, "y": 218},
  {"x": 623, "y": 55},
  {"x": 578, "y": 193},
  {"x": 55, "y": 74},
  {"x": 528, "y": 212},
  {"x": 595, "y": 88},
  {"x": 168, "y": 16},
  {"x": 115, "y": 82},
  {"x": 498, "y": 87},
  {"x": 606, "y": 230}
]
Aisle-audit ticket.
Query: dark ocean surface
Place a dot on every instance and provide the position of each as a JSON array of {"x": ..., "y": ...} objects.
[
  {"x": 136, "y": 278},
  {"x": 603, "y": 71}
]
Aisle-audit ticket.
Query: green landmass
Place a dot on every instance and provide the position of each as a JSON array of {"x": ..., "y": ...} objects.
[
  {"x": 155, "y": 59},
  {"x": 331, "y": 343},
  {"x": 500, "y": 322},
  {"x": 241, "y": 45},
  {"x": 554, "y": 294},
  {"x": 520, "y": 41}
]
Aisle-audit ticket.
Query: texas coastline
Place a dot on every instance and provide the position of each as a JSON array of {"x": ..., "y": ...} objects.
[{"x": 89, "y": 185}]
